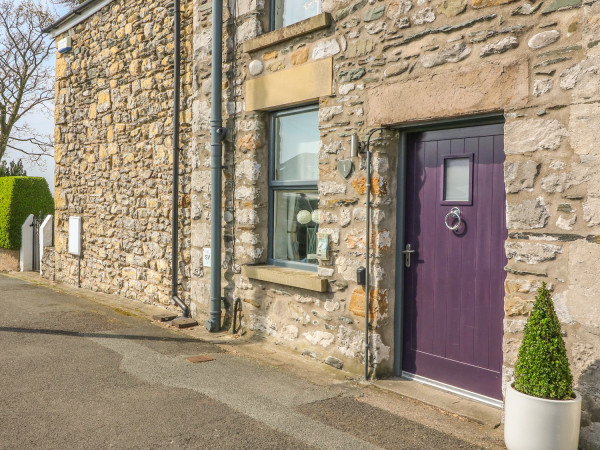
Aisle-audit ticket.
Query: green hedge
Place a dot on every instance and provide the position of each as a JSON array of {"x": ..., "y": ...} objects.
[{"x": 19, "y": 197}]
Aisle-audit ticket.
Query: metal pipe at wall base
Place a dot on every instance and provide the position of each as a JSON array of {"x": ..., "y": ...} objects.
[
  {"x": 176, "y": 123},
  {"x": 217, "y": 132}
]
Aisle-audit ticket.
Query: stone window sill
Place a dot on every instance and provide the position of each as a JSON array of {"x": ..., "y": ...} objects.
[
  {"x": 295, "y": 30},
  {"x": 287, "y": 277}
]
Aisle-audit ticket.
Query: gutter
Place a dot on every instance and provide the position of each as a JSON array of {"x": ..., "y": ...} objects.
[
  {"x": 176, "y": 123},
  {"x": 217, "y": 133},
  {"x": 76, "y": 16}
]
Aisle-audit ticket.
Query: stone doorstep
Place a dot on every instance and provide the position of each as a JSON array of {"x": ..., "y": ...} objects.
[{"x": 445, "y": 401}]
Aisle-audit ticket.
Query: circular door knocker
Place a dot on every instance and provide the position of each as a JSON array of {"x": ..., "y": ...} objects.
[{"x": 454, "y": 212}]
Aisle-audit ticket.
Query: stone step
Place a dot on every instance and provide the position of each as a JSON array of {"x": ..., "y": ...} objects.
[
  {"x": 184, "y": 322},
  {"x": 164, "y": 317}
]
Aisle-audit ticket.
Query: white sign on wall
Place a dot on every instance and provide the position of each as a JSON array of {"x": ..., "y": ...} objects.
[
  {"x": 75, "y": 236},
  {"x": 206, "y": 259}
]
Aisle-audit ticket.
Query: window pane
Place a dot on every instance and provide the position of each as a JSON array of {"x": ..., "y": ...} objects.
[
  {"x": 294, "y": 226},
  {"x": 288, "y": 12},
  {"x": 297, "y": 146},
  {"x": 456, "y": 179}
]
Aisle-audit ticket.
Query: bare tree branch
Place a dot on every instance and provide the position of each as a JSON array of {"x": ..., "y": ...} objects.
[{"x": 26, "y": 80}]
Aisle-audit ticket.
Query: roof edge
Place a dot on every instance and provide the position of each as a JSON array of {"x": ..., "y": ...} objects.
[{"x": 74, "y": 17}]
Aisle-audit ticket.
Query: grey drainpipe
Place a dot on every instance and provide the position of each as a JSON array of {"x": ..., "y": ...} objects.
[
  {"x": 175, "y": 206},
  {"x": 217, "y": 133},
  {"x": 367, "y": 278}
]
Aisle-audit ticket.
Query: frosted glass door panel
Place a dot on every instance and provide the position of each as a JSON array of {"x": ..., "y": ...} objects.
[{"x": 457, "y": 181}]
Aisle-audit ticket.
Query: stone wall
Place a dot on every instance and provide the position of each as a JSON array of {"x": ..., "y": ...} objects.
[
  {"x": 399, "y": 62},
  {"x": 114, "y": 103},
  {"x": 9, "y": 260},
  {"x": 395, "y": 62},
  {"x": 47, "y": 264}
]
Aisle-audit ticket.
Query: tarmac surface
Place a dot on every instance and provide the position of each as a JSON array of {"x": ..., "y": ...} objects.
[{"x": 80, "y": 373}]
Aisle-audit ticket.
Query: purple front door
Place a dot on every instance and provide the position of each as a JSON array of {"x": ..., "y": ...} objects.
[{"x": 455, "y": 223}]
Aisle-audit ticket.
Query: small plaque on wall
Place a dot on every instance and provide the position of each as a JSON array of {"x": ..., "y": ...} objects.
[
  {"x": 323, "y": 246},
  {"x": 75, "y": 236}
]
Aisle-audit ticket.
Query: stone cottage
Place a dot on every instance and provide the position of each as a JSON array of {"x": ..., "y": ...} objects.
[{"x": 485, "y": 174}]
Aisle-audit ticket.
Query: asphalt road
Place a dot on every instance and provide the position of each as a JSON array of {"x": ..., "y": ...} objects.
[{"x": 78, "y": 374}]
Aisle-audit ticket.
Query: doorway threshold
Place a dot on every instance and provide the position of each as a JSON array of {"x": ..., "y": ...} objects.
[{"x": 446, "y": 398}]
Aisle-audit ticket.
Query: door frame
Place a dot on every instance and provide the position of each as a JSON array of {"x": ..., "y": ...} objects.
[{"x": 404, "y": 131}]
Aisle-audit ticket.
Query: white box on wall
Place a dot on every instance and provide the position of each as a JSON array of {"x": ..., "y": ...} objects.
[{"x": 75, "y": 236}]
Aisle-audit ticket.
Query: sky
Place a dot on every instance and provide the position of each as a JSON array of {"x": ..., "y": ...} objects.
[{"x": 43, "y": 123}]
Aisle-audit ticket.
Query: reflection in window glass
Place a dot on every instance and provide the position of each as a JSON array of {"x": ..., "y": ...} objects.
[
  {"x": 295, "y": 225},
  {"x": 456, "y": 179},
  {"x": 288, "y": 12},
  {"x": 297, "y": 146}
]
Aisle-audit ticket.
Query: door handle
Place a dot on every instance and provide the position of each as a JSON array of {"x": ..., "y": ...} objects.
[{"x": 406, "y": 252}]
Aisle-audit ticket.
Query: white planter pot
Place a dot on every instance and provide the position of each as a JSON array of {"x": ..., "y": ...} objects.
[{"x": 532, "y": 423}]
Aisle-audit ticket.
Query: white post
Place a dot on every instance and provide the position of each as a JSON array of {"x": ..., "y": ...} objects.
[
  {"x": 26, "y": 259},
  {"x": 45, "y": 236}
]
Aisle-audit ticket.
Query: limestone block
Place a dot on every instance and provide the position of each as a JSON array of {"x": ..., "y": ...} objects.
[
  {"x": 543, "y": 39},
  {"x": 425, "y": 15},
  {"x": 202, "y": 43},
  {"x": 374, "y": 13},
  {"x": 299, "y": 56},
  {"x": 529, "y": 214},
  {"x": 351, "y": 343},
  {"x": 500, "y": 46},
  {"x": 397, "y": 8},
  {"x": 558, "y": 182},
  {"x": 525, "y": 9},
  {"x": 255, "y": 67},
  {"x": 466, "y": 89},
  {"x": 248, "y": 6},
  {"x": 325, "y": 49},
  {"x": 328, "y": 112},
  {"x": 520, "y": 175},
  {"x": 289, "y": 332},
  {"x": 531, "y": 253},
  {"x": 322, "y": 338},
  {"x": 584, "y": 123},
  {"x": 540, "y": 87},
  {"x": 584, "y": 79},
  {"x": 375, "y": 27},
  {"x": 104, "y": 101},
  {"x": 251, "y": 28},
  {"x": 452, "y": 8},
  {"x": 487, "y": 3},
  {"x": 530, "y": 135},
  {"x": 248, "y": 169},
  {"x": 517, "y": 306},
  {"x": 591, "y": 211},
  {"x": 396, "y": 69},
  {"x": 584, "y": 283},
  {"x": 514, "y": 325},
  {"x": 566, "y": 223},
  {"x": 331, "y": 187}
]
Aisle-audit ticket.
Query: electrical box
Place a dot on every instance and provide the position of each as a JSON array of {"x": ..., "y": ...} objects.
[
  {"x": 361, "y": 276},
  {"x": 206, "y": 258},
  {"x": 75, "y": 236},
  {"x": 64, "y": 45}
]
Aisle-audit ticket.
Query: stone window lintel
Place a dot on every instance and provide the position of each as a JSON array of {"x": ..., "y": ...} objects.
[{"x": 315, "y": 23}]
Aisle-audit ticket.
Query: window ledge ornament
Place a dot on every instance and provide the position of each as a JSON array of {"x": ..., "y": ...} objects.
[{"x": 315, "y": 23}]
